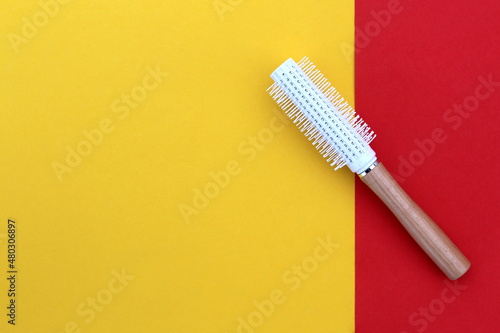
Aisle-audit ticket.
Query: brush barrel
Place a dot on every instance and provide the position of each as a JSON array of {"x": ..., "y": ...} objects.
[{"x": 420, "y": 226}]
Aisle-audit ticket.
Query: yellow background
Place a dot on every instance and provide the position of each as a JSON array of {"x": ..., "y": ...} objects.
[{"x": 119, "y": 208}]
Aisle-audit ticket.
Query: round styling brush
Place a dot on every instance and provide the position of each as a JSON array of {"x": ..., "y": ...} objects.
[{"x": 343, "y": 138}]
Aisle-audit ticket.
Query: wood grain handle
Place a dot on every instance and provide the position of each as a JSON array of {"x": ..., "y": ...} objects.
[{"x": 420, "y": 226}]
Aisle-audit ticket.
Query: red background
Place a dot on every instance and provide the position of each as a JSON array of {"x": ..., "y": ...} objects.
[{"x": 408, "y": 75}]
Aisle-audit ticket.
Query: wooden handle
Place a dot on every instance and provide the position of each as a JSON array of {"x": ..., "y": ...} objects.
[{"x": 420, "y": 226}]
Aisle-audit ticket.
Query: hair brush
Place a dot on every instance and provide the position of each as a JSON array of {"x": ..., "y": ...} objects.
[{"x": 343, "y": 138}]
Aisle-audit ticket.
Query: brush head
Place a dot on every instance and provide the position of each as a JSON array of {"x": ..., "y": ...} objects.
[{"x": 319, "y": 111}]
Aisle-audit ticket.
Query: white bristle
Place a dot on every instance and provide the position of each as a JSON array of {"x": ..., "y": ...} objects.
[{"x": 326, "y": 119}]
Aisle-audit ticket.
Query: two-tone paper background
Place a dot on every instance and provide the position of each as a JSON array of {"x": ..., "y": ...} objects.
[{"x": 156, "y": 187}]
